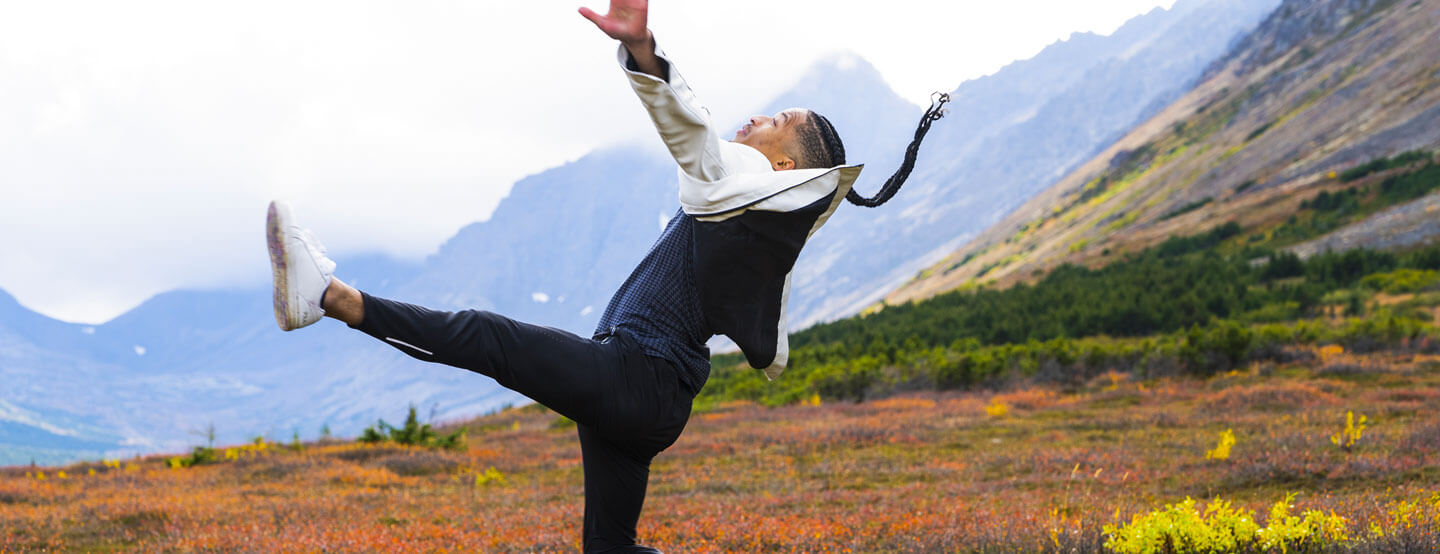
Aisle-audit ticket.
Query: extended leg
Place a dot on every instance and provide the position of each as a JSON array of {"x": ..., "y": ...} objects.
[
  {"x": 575, "y": 376},
  {"x": 610, "y": 385},
  {"x": 578, "y": 377}
]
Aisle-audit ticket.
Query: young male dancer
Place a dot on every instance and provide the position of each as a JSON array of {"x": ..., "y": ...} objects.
[{"x": 721, "y": 266}]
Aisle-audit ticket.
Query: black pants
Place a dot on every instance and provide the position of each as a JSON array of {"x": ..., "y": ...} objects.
[{"x": 628, "y": 406}]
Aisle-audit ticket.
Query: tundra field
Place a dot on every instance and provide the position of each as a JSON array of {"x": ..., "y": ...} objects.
[{"x": 1023, "y": 469}]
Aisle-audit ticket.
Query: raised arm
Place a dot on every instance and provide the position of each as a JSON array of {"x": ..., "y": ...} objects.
[{"x": 683, "y": 123}]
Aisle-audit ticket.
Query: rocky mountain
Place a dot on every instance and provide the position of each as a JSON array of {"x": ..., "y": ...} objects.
[
  {"x": 1320, "y": 88},
  {"x": 1007, "y": 137},
  {"x": 156, "y": 378}
]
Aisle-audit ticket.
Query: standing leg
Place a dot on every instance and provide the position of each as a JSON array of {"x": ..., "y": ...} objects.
[
  {"x": 615, "y": 480},
  {"x": 628, "y": 406},
  {"x": 617, "y": 460}
]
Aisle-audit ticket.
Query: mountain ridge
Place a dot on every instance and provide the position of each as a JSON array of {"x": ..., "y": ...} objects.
[
  {"x": 1260, "y": 132},
  {"x": 984, "y": 176}
]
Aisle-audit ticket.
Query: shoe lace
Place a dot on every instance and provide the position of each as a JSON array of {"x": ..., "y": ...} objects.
[{"x": 311, "y": 241}]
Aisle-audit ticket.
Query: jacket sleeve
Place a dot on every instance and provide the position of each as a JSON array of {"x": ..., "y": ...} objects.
[{"x": 684, "y": 124}]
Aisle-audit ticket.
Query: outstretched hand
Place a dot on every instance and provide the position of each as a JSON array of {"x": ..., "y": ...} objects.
[{"x": 625, "y": 22}]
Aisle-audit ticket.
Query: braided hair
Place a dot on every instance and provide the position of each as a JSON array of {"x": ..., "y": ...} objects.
[
  {"x": 820, "y": 147},
  {"x": 819, "y": 144}
]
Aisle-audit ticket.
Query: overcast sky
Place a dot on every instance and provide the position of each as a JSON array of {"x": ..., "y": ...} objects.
[{"x": 140, "y": 141}]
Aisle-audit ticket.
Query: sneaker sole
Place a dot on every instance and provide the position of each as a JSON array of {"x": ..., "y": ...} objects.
[{"x": 276, "y": 221}]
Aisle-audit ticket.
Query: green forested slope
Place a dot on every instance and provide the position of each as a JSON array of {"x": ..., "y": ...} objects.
[{"x": 1196, "y": 304}]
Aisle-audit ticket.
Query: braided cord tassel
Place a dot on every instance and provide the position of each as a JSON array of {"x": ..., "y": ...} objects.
[{"x": 892, "y": 185}]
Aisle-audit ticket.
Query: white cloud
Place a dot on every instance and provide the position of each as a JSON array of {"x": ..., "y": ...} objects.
[{"x": 140, "y": 141}]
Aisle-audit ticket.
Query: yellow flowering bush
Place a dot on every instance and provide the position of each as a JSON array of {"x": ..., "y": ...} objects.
[
  {"x": 1348, "y": 436},
  {"x": 1284, "y": 532},
  {"x": 1222, "y": 450},
  {"x": 1181, "y": 529},
  {"x": 490, "y": 476}
]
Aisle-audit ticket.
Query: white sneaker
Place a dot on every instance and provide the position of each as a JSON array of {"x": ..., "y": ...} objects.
[{"x": 301, "y": 269}]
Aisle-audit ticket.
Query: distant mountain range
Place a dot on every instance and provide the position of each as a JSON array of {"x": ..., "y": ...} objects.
[
  {"x": 564, "y": 239},
  {"x": 1320, "y": 87},
  {"x": 1009, "y": 136}
]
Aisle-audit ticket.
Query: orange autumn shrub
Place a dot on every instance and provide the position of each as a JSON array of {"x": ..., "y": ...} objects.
[{"x": 1028, "y": 399}]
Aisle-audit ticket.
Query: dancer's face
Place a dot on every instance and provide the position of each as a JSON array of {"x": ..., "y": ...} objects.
[{"x": 773, "y": 135}]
